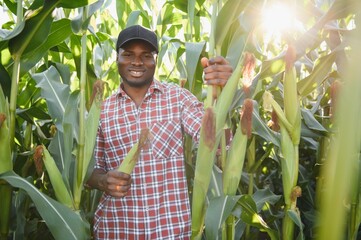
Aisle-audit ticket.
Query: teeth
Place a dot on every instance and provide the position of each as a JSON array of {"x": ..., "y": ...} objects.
[{"x": 135, "y": 73}]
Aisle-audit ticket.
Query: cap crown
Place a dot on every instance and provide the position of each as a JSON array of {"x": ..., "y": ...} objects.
[{"x": 137, "y": 32}]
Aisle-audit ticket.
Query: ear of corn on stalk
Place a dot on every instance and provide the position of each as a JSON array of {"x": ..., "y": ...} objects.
[
  {"x": 61, "y": 192},
  {"x": 5, "y": 188},
  {"x": 290, "y": 139},
  {"x": 235, "y": 160},
  {"x": 131, "y": 159},
  {"x": 91, "y": 123},
  {"x": 205, "y": 156}
]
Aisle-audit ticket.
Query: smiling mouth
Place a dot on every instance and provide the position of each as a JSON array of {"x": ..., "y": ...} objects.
[{"x": 136, "y": 73}]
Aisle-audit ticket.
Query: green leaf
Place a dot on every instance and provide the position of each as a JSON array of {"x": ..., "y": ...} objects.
[
  {"x": 81, "y": 21},
  {"x": 250, "y": 216},
  {"x": 91, "y": 125},
  {"x": 55, "y": 93},
  {"x": 215, "y": 186},
  {"x": 60, "y": 30},
  {"x": 98, "y": 61},
  {"x": 7, "y": 34},
  {"x": 74, "y": 4},
  {"x": 262, "y": 130},
  {"x": 318, "y": 75},
  {"x": 35, "y": 32},
  {"x": 272, "y": 66},
  {"x": 265, "y": 196},
  {"x": 227, "y": 15},
  {"x": 61, "y": 220},
  {"x": 236, "y": 44},
  {"x": 133, "y": 18},
  {"x": 295, "y": 216},
  {"x": 191, "y": 10},
  {"x": 193, "y": 53},
  {"x": 311, "y": 121},
  {"x": 217, "y": 212}
]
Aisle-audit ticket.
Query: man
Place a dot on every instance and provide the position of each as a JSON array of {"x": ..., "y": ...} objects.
[{"x": 152, "y": 202}]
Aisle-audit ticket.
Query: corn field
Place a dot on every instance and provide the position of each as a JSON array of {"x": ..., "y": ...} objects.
[{"x": 279, "y": 150}]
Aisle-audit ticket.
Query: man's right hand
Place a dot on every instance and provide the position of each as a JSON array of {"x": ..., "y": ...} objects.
[{"x": 114, "y": 183}]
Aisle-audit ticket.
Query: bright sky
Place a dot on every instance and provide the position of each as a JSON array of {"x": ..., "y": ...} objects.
[{"x": 3, "y": 16}]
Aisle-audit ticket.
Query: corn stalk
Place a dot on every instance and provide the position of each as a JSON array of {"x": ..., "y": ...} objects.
[
  {"x": 78, "y": 183},
  {"x": 7, "y": 137},
  {"x": 207, "y": 149},
  {"x": 344, "y": 154},
  {"x": 290, "y": 125}
]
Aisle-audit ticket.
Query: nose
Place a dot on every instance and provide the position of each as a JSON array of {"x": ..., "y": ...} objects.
[{"x": 137, "y": 60}]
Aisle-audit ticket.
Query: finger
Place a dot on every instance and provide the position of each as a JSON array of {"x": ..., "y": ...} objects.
[
  {"x": 219, "y": 60},
  {"x": 118, "y": 190},
  {"x": 217, "y": 82},
  {"x": 217, "y": 75},
  {"x": 204, "y": 62},
  {"x": 218, "y": 68}
]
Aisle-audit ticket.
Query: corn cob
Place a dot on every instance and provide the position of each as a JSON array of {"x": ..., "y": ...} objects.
[
  {"x": 289, "y": 142},
  {"x": 131, "y": 159},
  {"x": 61, "y": 192},
  {"x": 5, "y": 165},
  {"x": 235, "y": 160},
  {"x": 5, "y": 151}
]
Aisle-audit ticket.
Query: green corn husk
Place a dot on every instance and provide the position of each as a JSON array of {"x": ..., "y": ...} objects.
[
  {"x": 61, "y": 192},
  {"x": 234, "y": 165},
  {"x": 291, "y": 99},
  {"x": 232, "y": 171},
  {"x": 132, "y": 157},
  {"x": 5, "y": 151},
  {"x": 5, "y": 188},
  {"x": 205, "y": 155},
  {"x": 289, "y": 142}
]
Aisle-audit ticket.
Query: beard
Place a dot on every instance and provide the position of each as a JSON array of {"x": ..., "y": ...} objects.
[{"x": 137, "y": 83}]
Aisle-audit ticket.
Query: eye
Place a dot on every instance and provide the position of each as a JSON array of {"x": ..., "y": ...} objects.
[
  {"x": 125, "y": 54},
  {"x": 148, "y": 55}
]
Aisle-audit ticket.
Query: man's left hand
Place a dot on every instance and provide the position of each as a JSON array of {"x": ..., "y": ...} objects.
[{"x": 216, "y": 70}]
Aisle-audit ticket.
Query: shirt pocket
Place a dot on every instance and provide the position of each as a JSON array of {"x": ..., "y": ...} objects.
[{"x": 167, "y": 139}]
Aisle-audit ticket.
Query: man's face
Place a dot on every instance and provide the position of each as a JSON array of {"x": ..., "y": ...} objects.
[{"x": 136, "y": 63}]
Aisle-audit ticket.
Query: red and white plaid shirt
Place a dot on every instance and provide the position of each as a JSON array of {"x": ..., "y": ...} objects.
[{"x": 157, "y": 205}]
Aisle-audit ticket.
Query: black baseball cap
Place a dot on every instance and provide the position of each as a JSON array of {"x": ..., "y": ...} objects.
[{"x": 137, "y": 32}]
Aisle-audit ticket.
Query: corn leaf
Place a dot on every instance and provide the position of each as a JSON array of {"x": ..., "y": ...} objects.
[
  {"x": 7, "y": 34},
  {"x": 318, "y": 75},
  {"x": 263, "y": 196},
  {"x": 250, "y": 216},
  {"x": 262, "y": 130},
  {"x": 272, "y": 66},
  {"x": 227, "y": 15},
  {"x": 295, "y": 216},
  {"x": 55, "y": 93},
  {"x": 59, "y": 31},
  {"x": 218, "y": 211},
  {"x": 74, "y": 4},
  {"x": 91, "y": 125},
  {"x": 193, "y": 53},
  {"x": 36, "y": 27},
  {"x": 311, "y": 121},
  {"x": 61, "y": 220}
]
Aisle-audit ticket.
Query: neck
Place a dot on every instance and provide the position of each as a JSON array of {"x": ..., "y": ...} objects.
[{"x": 135, "y": 93}]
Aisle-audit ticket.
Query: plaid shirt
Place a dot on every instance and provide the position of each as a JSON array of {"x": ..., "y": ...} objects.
[{"x": 157, "y": 205}]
